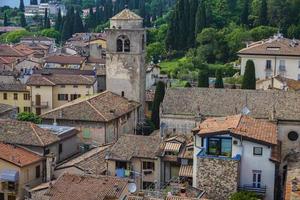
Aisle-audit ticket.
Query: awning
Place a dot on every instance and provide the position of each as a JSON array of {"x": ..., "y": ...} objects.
[
  {"x": 9, "y": 175},
  {"x": 186, "y": 171},
  {"x": 171, "y": 146}
]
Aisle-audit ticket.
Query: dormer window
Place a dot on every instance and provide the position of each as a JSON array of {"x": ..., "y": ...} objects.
[{"x": 123, "y": 44}]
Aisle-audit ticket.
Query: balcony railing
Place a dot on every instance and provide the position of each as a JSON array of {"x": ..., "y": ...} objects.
[
  {"x": 282, "y": 68},
  {"x": 258, "y": 190},
  {"x": 43, "y": 104}
]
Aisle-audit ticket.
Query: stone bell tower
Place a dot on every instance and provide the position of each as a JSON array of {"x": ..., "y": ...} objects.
[{"x": 125, "y": 56}]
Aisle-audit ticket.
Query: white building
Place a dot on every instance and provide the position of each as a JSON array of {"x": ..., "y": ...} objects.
[
  {"x": 235, "y": 153},
  {"x": 152, "y": 73},
  {"x": 272, "y": 57}
]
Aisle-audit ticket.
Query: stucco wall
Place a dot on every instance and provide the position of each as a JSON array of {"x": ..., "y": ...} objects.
[
  {"x": 291, "y": 63},
  {"x": 20, "y": 102}
]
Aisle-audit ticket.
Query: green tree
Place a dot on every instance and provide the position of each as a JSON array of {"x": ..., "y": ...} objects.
[
  {"x": 22, "y": 7},
  {"x": 46, "y": 19},
  {"x": 219, "y": 79},
  {"x": 187, "y": 85},
  {"x": 294, "y": 31},
  {"x": 203, "y": 79},
  {"x": 50, "y": 32},
  {"x": 155, "y": 51},
  {"x": 5, "y": 23},
  {"x": 263, "y": 14},
  {"x": 29, "y": 117},
  {"x": 58, "y": 22},
  {"x": 245, "y": 13},
  {"x": 33, "y": 2},
  {"x": 249, "y": 80},
  {"x": 200, "y": 23},
  {"x": 23, "y": 20},
  {"x": 14, "y": 36},
  {"x": 78, "y": 26},
  {"x": 244, "y": 196},
  {"x": 158, "y": 98}
]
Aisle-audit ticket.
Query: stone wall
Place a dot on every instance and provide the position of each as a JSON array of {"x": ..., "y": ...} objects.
[{"x": 218, "y": 177}]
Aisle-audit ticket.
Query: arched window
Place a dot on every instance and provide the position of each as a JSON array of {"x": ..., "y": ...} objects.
[
  {"x": 123, "y": 44},
  {"x": 119, "y": 45}
]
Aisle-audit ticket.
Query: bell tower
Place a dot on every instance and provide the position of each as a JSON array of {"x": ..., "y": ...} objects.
[{"x": 125, "y": 56}]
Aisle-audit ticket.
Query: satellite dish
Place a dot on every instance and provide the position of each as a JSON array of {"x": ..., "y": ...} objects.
[
  {"x": 132, "y": 187},
  {"x": 245, "y": 111}
]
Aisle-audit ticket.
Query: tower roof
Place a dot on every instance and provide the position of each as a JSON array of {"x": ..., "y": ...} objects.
[{"x": 126, "y": 14}]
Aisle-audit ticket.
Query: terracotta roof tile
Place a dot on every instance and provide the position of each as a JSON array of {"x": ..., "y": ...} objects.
[
  {"x": 10, "y": 51},
  {"x": 102, "y": 107},
  {"x": 17, "y": 155},
  {"x": 65, "y": 59},
  {"x": 210, "y": 102},
  {"x": 273, "y": 46},
  {"x": 135, "y": 146},
  {"x": 13, "y": 87},
  {"x": 77, "y": 187},
  {"x": 5, "y": 107},
  {"x": 126, "y": 14},
  {"x": 60, "y": 79},
  {"x": 25, "y": 133},
  {"x": 240, "y": 125}
]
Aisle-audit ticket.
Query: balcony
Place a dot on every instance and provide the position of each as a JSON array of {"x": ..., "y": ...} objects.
[
  {"x": 261, "y": 191},
  {"x": 43, "y": 104}
]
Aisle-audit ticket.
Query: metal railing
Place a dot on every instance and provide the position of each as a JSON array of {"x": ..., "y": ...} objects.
[
  {"x": 250, "y": 188},
  {"x": 43, "y": 104}
]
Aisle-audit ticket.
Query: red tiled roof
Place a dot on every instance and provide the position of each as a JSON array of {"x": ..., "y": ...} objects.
[
  {"x": 65, "y": 59},
  {"x": 240, "y": 125},
  {"x": 79, "y": 187},
  {"x": 10, "y": 51},
  {"x": 17, "y": 155}
]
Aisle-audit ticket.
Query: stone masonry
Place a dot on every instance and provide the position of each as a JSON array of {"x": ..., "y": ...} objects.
[{"x": 218, "y": 177}]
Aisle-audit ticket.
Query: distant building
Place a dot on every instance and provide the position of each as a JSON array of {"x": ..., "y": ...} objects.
[
  {"x": 152, "y": 73},
  {"x": 19, "y": 168},
  {"x": 51, "y": 90},
  {"x": 52, "y": 7},
  {"x": 278, "y": 83},
  {"x": 100, "y": 118},
  {"x": 236, "y": 152},
  {"x": 64, "y": 61},
  {"x": 35, "y": 42},
  {"x": 136, "y": 157},
  {"x": 16, "y": 95},
  {"x": 272, "y": 57}
]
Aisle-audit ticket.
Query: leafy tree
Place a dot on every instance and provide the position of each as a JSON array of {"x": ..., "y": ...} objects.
[
  {"x": 244, "y": 196},
  {"x": 78, "y": 26},
  {"x": 294, "y": 31},
  {"x": 155, "y": 51},
  {"x": 22, "y": 7},
  {"x": 29, "y": 117},
  {"x": 50, "y": 32},
  {"x": 5, "y": 23},
  {"x": 23, "y": 20},
  {"x": 263, "y": 14},
  {"x": 58, "y": 22},
  {"x": 219, "y": 79},
  {"x": 249, "y": 80},
  {"x": 13, "y": 36},
  {"x": 187, "y": 85},
  {"x": 203, "y": 79},
  {"x": 262, "y": 32},
  {"x": 158, "y": 98}
]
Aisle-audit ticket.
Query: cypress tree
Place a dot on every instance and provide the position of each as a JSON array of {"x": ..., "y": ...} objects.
[
  {"x": 71, "y": 16},
  {"x": 263, "y": 14},
  {"x": 219, "y": 79},
  {"x": 5, "y": 23},
  {"x": 66, "y": 30},
  {"x": 58, "y": 21},
  {"x": 33, "y": 2},
  {"x": 158, "y": 98},
  {"x": 90, "y": 23},
  {"x": 97, "y": 15},
  {"x": 78, "y": 25},
  {"x": 22, "y": 7},
  {"x": 200, "y": 22},
  {"x": 203, "y": 79},
  {"x": 46, "y": 19},
  {"x": 192, "y": 23},
  {"x": 23, "y": 20},
  {"x": 245, "y": 13},
  {"x": 249, "y": 80}
]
